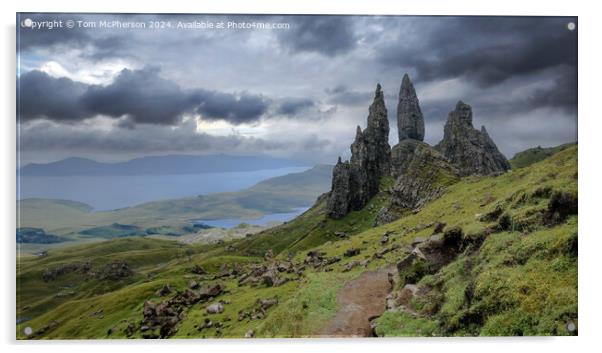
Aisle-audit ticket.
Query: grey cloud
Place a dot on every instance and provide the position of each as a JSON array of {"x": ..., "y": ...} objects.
[
  {"x": 46, "y": 140},
  {"x": 487, "y": 50},
  {"x": 326, "y": 35},
  {"x": 342, "y": 95},
  {"x": 292, "y": 106},
  {"x": 496, "y": 61},
  {"x": 235, "y": 109},
  {"x": 40, "y": 95},
  {"x": 141, "y": 95}
]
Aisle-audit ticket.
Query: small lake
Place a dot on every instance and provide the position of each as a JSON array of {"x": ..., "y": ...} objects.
[
  {"x": 262, "y": 221},
  {"x": 112, "y": 192}
]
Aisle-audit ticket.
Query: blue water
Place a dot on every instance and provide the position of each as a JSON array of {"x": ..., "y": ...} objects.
[
  {"x": 262, "y": 221},
  {"x": 112, "y": 192}
]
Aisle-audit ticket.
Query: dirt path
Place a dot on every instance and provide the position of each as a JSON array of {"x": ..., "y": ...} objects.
[{"x": 360, "y": 300}]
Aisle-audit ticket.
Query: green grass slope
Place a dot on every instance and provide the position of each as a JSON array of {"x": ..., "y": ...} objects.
[
  {"x": 517, "y": 275},
  {"x": 533, "y": 155}
]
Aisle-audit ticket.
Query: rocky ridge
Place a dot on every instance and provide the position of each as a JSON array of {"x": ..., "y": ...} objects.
[{"x": 421, "y": 172}]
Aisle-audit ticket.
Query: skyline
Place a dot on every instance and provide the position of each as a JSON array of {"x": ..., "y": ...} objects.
[{"x": 297, "y": 93}]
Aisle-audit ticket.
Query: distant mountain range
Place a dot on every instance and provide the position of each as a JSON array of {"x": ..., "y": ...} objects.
[{"x": 158, "y": 165}]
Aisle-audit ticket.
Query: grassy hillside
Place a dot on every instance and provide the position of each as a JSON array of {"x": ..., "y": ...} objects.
[
  {"x": 76, "y": 221},
  {"x": 508, "y": 267},
  {"x": 534, "y": 155}
]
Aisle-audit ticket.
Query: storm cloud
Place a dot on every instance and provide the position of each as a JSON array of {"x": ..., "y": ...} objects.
[
  {"x": 292, "y": 106},
  {"x": 271, "y": 86},
  {"x": 326, "y": 35},
  {"x": 141, "y": 95}
]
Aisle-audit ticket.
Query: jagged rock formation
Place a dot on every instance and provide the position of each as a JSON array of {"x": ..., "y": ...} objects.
[
  {"x": 421, "y": 174},
  {"x": 339, "y": 199},
  {"x": 355, "y": 182},
  {"x": 410, "y": 122},
  {"x": 471, "y": 151}
]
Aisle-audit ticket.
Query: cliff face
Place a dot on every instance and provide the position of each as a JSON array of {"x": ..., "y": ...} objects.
[
  {"x": 354, "y": 183},
  {"x": 421, "y": 172},
  {"x": 468, "y": 149}
]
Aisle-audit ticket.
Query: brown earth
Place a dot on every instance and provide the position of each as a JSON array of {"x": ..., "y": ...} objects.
[{"x": 360, "y": 300}]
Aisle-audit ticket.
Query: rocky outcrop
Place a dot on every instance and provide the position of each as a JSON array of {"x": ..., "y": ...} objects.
[
  {"x": 339, "y": 200},
  {"x": 410, "y": 122},
  {"x": 471, "y": 151},
  {"x": 355, "y": 182},
  {"x": 423, "y": 177}
]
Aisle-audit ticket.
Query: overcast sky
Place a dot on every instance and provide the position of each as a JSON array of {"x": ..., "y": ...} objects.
[{"x": 296, "y": 92}]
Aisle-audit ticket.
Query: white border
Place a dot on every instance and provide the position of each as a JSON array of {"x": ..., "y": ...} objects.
[{"x": 589, "y": 166}]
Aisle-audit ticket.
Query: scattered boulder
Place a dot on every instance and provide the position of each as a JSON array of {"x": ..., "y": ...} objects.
[
  {"x": 197, "y": 269},
  {"x": 314, "y": 258},
  {"x": 265, "y": 304},
  {"x": 187, "y": 298},
  {"x": 350, "y": 266},
  {"x": 439, "y": 226},
  {"x": 115, "y": 271},
  {"x": 259, "y": 310},
  {"x": 130, "y": 329},
  {"x": 207, "y": 323},
  {"x": 164, "y": 316},
  {"x": 272, "y": 279},
  {"x": 250, "y": 334},
  {"x": 163, "y": 291},
  {"x": 418, "y": 240},
  {"x": 405, "y": 295},
  {"x": 341, "y": 235},
  {"x": 385, "y": 239},
  {"x": 352, "y": 252},
  {"x": 211, "y": 291},
  {"x": 215, "y": 308},
  {"x": 51, "y": 273}
]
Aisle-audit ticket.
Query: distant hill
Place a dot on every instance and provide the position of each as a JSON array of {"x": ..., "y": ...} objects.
[
  {"x": 171, "y": 217},
  {"x": 534, "y": 155},
  {"x": 36, "y": 235},
  {"x": 158, "y": 165}
]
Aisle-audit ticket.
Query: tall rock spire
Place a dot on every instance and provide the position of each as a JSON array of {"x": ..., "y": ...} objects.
[
  {"x": 410, "y": 122},
  {"x": 376, "y": 137},
  {"x": 354, "y": 183}
]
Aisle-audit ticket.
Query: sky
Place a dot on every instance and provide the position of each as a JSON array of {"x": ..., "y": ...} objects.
[{"x": 283, "y": 86}]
